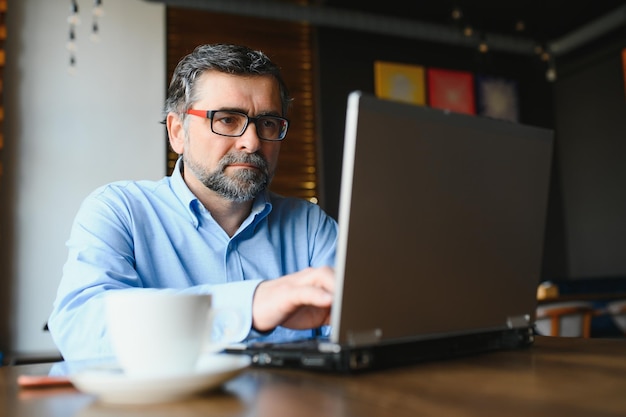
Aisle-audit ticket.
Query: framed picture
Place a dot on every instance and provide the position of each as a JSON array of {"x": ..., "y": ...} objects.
[
  {"x": 401, "y": 82},
  {"x": 451, "y": 90},
  {"x": 497, "y": 98}
]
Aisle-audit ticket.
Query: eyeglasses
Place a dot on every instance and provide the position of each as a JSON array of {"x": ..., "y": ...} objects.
[{"x": 234, "y": 124}]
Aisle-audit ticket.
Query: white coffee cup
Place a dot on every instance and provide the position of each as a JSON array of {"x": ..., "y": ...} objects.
[{"x": 156, "y": 333}]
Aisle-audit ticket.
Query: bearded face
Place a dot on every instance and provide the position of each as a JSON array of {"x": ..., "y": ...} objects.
[{"x": 243, "y": 184}]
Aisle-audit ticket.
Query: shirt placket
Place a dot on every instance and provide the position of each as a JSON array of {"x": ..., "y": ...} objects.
[{"x": 232, "y": 262}]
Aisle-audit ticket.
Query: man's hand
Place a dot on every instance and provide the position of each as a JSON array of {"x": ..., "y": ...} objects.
[{"x": 297, "y": 301}]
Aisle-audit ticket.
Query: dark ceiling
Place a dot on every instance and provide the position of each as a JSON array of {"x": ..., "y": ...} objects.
[
  {"x": 560, "y": 26},
  {"x": 544, "y": 20}
]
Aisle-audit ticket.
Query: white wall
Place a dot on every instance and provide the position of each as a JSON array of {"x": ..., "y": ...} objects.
[{"x": 67, "y": 134}]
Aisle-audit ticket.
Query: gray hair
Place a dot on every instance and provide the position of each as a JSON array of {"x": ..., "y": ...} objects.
[{"x": 230, "y": 59}]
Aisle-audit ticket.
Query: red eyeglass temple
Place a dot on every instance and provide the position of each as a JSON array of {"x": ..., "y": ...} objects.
[{"x": 195, "y": 112}]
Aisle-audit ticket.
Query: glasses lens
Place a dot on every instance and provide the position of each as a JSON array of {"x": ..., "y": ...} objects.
[
  {"x": 228, "y": 123},
  {"x": 271, "y": 128}
]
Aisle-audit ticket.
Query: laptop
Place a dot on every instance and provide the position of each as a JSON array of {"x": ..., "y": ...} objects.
[{"x": 441, "y": 229}]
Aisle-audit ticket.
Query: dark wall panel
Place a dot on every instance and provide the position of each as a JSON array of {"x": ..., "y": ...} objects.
[
  {"x": 591, "y": 115},
  {"x": 346, "y": 62},
  {"x": 586, "y": 225}
]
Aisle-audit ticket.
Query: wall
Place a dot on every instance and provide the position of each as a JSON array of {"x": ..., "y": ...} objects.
[
  {"x": 590, "y": 109},
  {"x": 346, "y": 62},
  {"x": 67, "y": 134},
  {"x": 586, "y": 221}
]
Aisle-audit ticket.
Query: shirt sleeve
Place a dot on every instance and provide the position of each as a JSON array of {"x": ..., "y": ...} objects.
[{"x": 100, "y": 259}]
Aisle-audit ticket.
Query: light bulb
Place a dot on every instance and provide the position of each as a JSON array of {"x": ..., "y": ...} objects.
[
  {"x": 73, "y": 20},
  {"x": 98, "y": 11}
]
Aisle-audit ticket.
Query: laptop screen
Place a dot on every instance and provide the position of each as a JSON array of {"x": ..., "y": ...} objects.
[{"x": 441, "y": 219}]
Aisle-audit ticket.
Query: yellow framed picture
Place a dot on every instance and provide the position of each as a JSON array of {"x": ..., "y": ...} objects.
[{"x": 400, "y": 82}]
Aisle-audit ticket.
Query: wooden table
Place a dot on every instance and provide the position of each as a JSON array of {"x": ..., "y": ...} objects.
[{"x": 555, "y": 377}]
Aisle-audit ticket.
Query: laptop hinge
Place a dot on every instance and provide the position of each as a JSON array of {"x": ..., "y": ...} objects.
[
  {"x": 515, "y": 322},
  {"x": 366, "y": 337}
]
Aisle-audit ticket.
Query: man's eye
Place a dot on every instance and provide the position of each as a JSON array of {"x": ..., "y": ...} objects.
[{"x": 270, "y": 123}]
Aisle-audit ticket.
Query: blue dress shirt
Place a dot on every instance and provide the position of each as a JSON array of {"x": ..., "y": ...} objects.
[{"x": 156, "y": 235}]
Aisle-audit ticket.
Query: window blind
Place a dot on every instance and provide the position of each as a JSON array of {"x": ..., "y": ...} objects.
[{"x": 287, "y": 44}]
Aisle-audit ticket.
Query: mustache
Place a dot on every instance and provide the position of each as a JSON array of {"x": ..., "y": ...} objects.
[{"x": 253, "y": 159}]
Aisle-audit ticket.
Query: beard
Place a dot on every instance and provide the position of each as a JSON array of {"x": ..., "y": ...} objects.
[{"x": 242, "y": 185}]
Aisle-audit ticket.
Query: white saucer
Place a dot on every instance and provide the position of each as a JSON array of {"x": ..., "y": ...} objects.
[{"x": 111, "y": 385}]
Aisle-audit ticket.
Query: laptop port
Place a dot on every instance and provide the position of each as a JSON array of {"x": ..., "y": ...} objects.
[{"x": 360, "y": 360}]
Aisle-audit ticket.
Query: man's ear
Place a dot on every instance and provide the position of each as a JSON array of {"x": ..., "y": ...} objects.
[{"x": 175, "y": 132}]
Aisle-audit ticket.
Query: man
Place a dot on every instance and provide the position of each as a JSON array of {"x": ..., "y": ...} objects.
[{"x": 213, "y": 226}]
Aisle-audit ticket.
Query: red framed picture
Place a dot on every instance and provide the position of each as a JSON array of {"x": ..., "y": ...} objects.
[{"x": 451, "y": 90}]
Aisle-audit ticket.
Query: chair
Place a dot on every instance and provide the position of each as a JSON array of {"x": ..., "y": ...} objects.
[
  {"x": 566, "y": 319},
  {"x": 617, "y": 310}
]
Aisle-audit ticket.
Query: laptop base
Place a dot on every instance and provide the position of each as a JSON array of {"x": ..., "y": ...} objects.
[{"x": 298, "y": 355}]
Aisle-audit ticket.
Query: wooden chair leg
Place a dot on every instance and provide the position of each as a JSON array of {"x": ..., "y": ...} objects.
[
  {"x": 587, "y": 325},
  {"x": 555, "y": 325}
]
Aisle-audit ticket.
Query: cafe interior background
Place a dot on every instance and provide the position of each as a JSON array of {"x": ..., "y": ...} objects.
[{"x": 83, "y": 83}]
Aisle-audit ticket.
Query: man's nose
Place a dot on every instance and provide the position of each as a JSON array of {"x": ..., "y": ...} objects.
[{"x": 249, "y": 140}]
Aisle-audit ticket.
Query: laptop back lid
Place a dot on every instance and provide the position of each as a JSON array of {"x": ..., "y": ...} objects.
[{"x": 441, "y": 223}]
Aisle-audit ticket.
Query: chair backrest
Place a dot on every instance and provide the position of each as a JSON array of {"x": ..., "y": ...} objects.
[
  {"x": 567, "y": 319},
  {"x": 617, "y": 310}
]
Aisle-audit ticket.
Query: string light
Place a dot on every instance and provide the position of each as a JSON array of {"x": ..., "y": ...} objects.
[
  {"x": 98, "y": 10},
  {"x": 539, "y": 49},
  {"x": 544, "y": 54},
  {"x": 551, "y": 74},
  {"x": 96, "y": 14},
  {"x": 95, "y": 35},
  {"x": 468, "y": 31},
  {"x": 483, "y": 46},
  {"x": 457, "y": 14},
  {"x": 73, "y": 21},
  {"x": 71, "y": 43}
]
